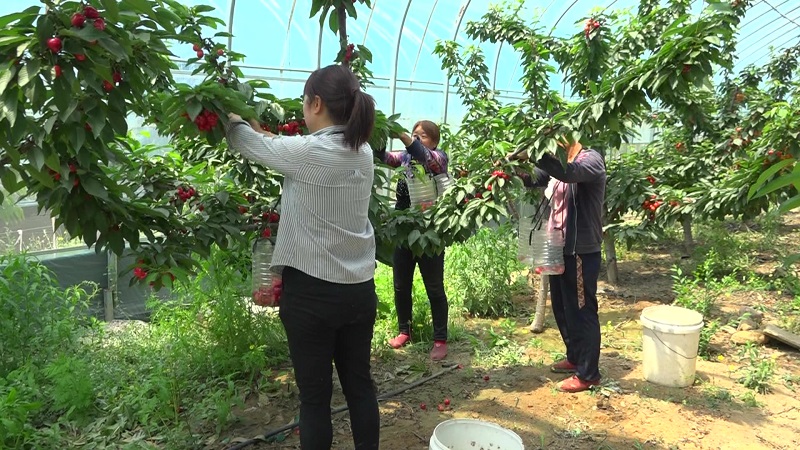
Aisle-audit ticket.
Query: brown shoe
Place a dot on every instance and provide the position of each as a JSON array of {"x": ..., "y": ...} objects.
[
  {"x": 400, "y": 340},
  {"x": 439, "y": 351},
  {"x": 574, "y": 384},
  {"x": 563, "y": 366}
]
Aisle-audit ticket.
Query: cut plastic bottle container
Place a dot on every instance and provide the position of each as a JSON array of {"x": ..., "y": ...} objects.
[
  {"x": 263, "y": 289},
  {"x": 443, "y": 182},
  {"x": 422, "y": 191},
  {"x": 547, "y": 248},
  {"x": 525, "y": 250}
]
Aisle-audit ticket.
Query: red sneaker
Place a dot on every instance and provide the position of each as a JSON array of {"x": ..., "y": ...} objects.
[
  {"x": 400, "y": 340},
  {"x": 564, "y": 366},
  {"x": 574, "y": 384},
  {"x": 439, "y": 351}
]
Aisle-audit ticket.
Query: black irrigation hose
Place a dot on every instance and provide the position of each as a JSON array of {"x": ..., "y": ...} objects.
[{"x": 381, "y": 397}]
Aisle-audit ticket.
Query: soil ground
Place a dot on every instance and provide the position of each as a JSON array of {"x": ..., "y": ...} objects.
[{"x": 626, "y": 413}]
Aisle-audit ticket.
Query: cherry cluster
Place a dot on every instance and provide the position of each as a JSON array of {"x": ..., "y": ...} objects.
[
  {"x": 348, "y": 55},
  {"x": 589, "y": 26},
  {"x": 206, "y": 120}
]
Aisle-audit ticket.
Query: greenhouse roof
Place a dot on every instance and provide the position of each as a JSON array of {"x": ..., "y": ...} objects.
[{"x": 282, "y": 44}]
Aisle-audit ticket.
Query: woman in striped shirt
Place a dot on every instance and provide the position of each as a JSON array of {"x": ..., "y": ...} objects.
[
  {"x": 325, "y": 249},
  {"x": 421, "y": 149}
]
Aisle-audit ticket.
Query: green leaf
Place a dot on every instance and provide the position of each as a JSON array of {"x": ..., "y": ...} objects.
[
  {"x": 9, "y": 107},
  {"x": 97, "y": 119},
  {"x": 7, "y": 73},
  {"x": 413, "y": 236},
  {"x": 42, "y": 177},
  {"x": 223, "y": 197},
  {"x": 754, "y": 191},
  {"x": 51, "y": 160},
  {"x": 118, "y": 123},
  {"x": 94, "y": 188},
  {"x": 780, "y": 182},
  {"x": 10, "y": 181},
  {"x": 77, "y": 139},
  {"x": 114, "y": 48},
  {"x": 194, "y": 109},
  {"x": 36, "y": 157},
  {"x": 333, "y": 22},
  {"x": 789, "y": 205},
  {"x": 48, "y": 124},
  {"x": 112, "y": 9},
  {"x": 7, "y": 19},
  {"x": 597, "y": 110}
]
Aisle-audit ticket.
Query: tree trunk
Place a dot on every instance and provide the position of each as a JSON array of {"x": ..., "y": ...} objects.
[
  {"x": 688, "y": 240},
  {"x": 541, "y": 304},
  {"x": 611, "y": 258},
  {"x": 342, "y": 12}
]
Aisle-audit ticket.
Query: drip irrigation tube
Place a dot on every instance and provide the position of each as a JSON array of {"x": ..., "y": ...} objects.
[{"x": 381, "y": 397}]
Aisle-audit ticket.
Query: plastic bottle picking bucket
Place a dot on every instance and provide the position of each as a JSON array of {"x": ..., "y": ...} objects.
[
  {"x": 547, "y": 248},
  {"x": 263, "y": 290},
  {"x": 422, "y": 191}
]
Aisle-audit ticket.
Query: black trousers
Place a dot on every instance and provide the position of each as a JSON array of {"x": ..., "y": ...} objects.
[
  {"x": 331, "y": 322},
  {"x": 574, "y": 298},
  {"x": 432, "y": 270}
]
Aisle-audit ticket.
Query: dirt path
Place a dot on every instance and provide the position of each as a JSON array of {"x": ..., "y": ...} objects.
[{"x": 627, "y": 413}]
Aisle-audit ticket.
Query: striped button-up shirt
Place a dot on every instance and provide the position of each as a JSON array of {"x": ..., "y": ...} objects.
[{"x": 324, "y": 229}]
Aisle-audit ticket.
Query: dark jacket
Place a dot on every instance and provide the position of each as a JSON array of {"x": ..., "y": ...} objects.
[{"x": 586, "y": 178}]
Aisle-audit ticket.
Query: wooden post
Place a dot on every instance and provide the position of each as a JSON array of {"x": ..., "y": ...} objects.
[
  {"x": 541, "y": 304},
  {"x": 688, "y": 240},
  {"x": 611, "y": 258}
]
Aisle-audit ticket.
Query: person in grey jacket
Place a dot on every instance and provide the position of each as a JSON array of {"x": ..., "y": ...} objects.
[{"x": 577, "y": 195}]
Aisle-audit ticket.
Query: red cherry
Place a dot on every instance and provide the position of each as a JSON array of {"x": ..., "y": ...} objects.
[
  {"x": 80, "y": 57},
  {"x": 201, "y": 208},
  {"x": 117, "y": 77},
  {"x": 100, "y": 24},
  {"x": 107, "y": 86},
  {"x": 72, "y": 167},
  {"x": 196, "y": 47},
  {"x": 486, "y": 378},
  {"x": 200, "y": 54},
  {"x": 440, "y": 407},
  {"x": 54, "y": 44},
  {"x": 87, "y": 127},
  {"x": 220, "y": 52},
  {"x": 91, "y": 13},
  {"x": 78, "y": 20},
  {"x": 243, "y": 209},
  {"x": 57, "y": 70},
  {"x": 422, "y": 406},
  {"x": 266, "y": 233},
  {"x": 76, "y": 182},
  {"x": 447, "y": 402}
]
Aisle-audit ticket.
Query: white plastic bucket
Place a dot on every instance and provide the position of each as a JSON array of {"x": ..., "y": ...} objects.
[
  {"x": 469, "y": 434},
  {"x": 670, "y": 342}
]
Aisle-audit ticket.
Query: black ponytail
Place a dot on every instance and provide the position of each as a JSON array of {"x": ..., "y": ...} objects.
[
  {"x": 347, "y": 105},
  {"x": 362, "y": 120}
]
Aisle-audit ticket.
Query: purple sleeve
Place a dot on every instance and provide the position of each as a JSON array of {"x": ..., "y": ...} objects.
[
  {"x": 434, "y": 160},
  {"x": 393, "y": 159}
]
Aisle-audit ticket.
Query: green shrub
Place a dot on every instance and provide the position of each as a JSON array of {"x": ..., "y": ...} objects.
[
  {"x": 38, "y": 318},
  {"x": 478, "y": 273}
]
